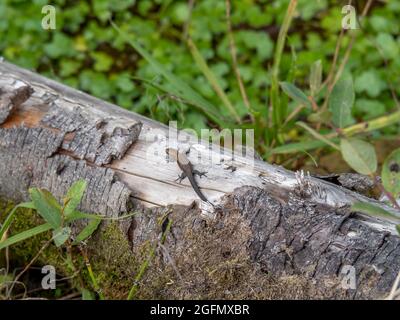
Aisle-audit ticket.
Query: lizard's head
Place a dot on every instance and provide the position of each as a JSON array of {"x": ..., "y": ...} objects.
[{"x": 171, "y": 152}]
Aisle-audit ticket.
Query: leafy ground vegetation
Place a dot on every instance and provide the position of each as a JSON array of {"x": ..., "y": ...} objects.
[
  {"x": 319, "y": 97},
  {"x": 233, "y": 56}
]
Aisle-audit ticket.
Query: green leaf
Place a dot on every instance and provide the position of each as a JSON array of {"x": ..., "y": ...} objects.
[
  {"x": 5, "y": 278},
  {"x": 295, "y": 93},
  {"x": 69, "y": 67},
  {"x": 123, "y": 82},
  {"x": 87, "y": 231},
  {"x": 370, "y": 108},
  {"x": 341, "y": 101},
  {"x": 260, "y": 41},
  {"x": 61, "y": 45},
  {"x": 96, "y": 83},
  {"x": 103, "y": 61},
  {"x": 315, "y": 77},
  {"x": 359, "y": 155},
  {"x": 391, "y": 173},
  {"x": 102, "y": 10},
  {"x": 372, "y": 210},
  {"x": 180, "y": 13},
  {"x": 47, "y": 206},
  {"x": 398, "y": 228},
  {"x": 74, "y": 197},
  {"x": 60, "y": 235},
  {"x": 370, "y": 82},
  {"x": 388, "y": 44},
  {"x": 11, "y": 216},
  {"x": 87, "y": 294},
  {"x": 25, "y": 235}
]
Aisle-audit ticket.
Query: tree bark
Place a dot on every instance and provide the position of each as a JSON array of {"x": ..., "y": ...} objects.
[{"x": 272, "y": 234}]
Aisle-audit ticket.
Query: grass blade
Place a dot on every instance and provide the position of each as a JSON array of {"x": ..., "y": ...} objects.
[
  {"x": 341, "y": 101},
  {"x": 318, "y": 136},
  {"x": 25, "y": 235},
  {"x": 279, "y": 113},
  {"x": 182, "y": 99},
  {"x": 11, "y": 216},
  {"x": 373, "y": 211},
  {"x": 232, "y": 47},
  {"x": 202, "y": 64},
  {"x": 299, "y": 146},
  {"x": 182, "y": 89}
]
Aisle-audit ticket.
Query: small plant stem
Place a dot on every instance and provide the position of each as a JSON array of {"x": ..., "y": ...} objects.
[
  {"x": 318, "y": 136},
  {"x": 91, "y": 274},
  {"x": 282, "y": 38},
  {"x": 335, "y": 58},
  {"x": 294, "y": 113},
  {"x": 186, "y": 25},
  {"x": 29, "y": 264},
  {"x": 276, "y": 109},
  {"x": 210, "y": 76},
  {"x": 232, "y": 47},
  {"x": 372, "y": 125},
  {"x": 346, "y": 57},
  {"x": 386, "y": 193},
  {"x": 365, "y": 127}
]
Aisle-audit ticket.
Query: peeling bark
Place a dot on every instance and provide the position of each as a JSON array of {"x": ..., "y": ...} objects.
[
  {"x": 10, "y": 101},
  {"x": 298, "y": 237},
  {"x": 90, "y": 138},
  {"x": 28, "y": 158}
]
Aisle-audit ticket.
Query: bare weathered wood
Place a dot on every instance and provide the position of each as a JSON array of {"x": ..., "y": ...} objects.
[{"x": 297, "y": 224}]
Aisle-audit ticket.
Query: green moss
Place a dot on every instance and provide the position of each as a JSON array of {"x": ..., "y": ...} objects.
[
  {"x": 113, "y": 262},
  {"x": 109, "y": 254},
  {"x": 24, "y": 251}
]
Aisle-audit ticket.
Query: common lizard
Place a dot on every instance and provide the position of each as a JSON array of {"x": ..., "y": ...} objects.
[{"x": 187, "y": 171}]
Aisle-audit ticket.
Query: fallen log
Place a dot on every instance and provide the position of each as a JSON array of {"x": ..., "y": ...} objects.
[{"x": 271, "y": 234}]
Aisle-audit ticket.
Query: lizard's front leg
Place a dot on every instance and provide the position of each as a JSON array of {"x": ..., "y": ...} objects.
[
  {"x": 181, "y": 177},
  {"x": 200, "y": 173}
]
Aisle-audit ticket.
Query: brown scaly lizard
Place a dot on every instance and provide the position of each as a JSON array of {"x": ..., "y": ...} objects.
[{"x": 187, "y": 171}]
